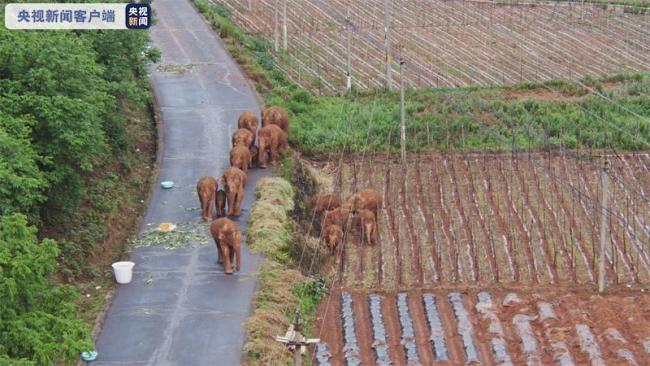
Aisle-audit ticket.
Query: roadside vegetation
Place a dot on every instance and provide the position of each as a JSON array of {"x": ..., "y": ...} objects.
[
  {"x": 282, "y": 286},
  {"x": 77, "y": 147}
]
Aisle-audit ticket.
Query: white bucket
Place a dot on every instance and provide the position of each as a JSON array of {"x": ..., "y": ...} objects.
[{"x": 123, "y": 271}]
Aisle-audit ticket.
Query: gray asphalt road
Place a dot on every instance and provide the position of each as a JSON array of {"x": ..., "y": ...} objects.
[{"x": 180, "y": 308}]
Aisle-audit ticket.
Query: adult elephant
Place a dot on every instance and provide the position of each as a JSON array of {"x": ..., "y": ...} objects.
[
  {"x": 367, "y": 199},
  {"x": 240, "y": 157},
  {"x": 227, "y": 237},
  {"x": 271, "y": 140},
  {"x": 276, "y": 116},
  {"x": 234, "y": 181},
  {"x": 206, "y": 188},
  {"x": 248, "y": 120}
]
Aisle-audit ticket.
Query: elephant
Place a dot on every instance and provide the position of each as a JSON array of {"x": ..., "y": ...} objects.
[
  {"x": 234, "y": 181},
  {"x": 324, "y": 202},
  {"x": 276, "y": 116},
  {"x": 254, "y": 151},
  {"x": 368, "y": 226},
  {"x": 221, "y": 203},
  {"x": 240, "y": 157},
  {"x": 243, "y": 137},
  {"x": 227, "y": 238},
  {"x": 206, "y": 189},
  {"x": 367, "y": 199},
  {"x": 248, "y": 120},
  {"x": 332, "y": 236},
  {"x": 338, "y": 216},
  {"x": 272, "y": 139}
]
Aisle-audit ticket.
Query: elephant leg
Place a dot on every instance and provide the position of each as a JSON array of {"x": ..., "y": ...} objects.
[
  {"x": 238, "y": 254},
  {"x": 228, "y": 259},
  {"x": 219, "y": 252},
  {"x": 238, "y": 201},
  {"x": 274, "y": 156},
  {"x": 231, "y": 203}
]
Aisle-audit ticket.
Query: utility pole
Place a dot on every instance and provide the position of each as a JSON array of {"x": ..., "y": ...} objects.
[
  {"x": 402, "y": 143},
  {"x": 284, "y": 24},
  {"x": 294, "y": 340},
  {"x": 603, "y": 228},
  {"x": 276, "y": 34},
  {"x": 389, "y": 77},
  {"x": 348, "y": 25}
]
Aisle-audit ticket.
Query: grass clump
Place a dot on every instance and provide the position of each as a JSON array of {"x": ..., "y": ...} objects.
[{"x": 269, "y": 230}]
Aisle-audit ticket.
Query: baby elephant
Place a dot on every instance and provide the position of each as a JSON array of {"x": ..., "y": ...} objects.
[
  {"x": 332, "y": 236},
  {"x": 240, "y": 157},
  {"x": 338, "y": 216},
  {"x": 243, "y": 137},
  {"x": 324, "y": 202},
  {"x": 368, "y": 227},
  {"x": 221, "y": 203},
  {"x": 206, "y": 189},
  {"x": 227, "y": 237},
  {"x": 234, "y": 181},
  {"x": 254, "y": 152}
]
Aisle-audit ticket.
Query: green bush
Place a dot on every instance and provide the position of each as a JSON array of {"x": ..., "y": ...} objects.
[{"x": 37, "y": 318}]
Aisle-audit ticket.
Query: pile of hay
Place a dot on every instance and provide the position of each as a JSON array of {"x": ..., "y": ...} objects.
[
  {"x": 270, "y": 233},
  {"x": 274, "y": 299},
  {"x": 269, "y": 224}
]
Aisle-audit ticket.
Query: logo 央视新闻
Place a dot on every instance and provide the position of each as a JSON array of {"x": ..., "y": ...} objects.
[{"x": 138, "y": 16}]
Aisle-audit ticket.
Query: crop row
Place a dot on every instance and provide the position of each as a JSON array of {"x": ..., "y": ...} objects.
[
  {"x": 491, "y": 219},
  {"x": 413, "y": 327},
  {"x": 449, "y": 43}
]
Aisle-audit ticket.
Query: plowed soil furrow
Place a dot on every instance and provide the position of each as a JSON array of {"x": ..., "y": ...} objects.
[
  {"x": 393, "y": 330},
  {"x": 348, "y": 248},
  {"x": 502, "y": 239},
  {"x": 536, "y": 221},
  {"x": 628, "y": 221},
  {"x": 330, "y": 328},
  {"x": 522, "y": 246},
  {"x": 486, "y": 241},
  {"x": 583, "y": 215},
  {"x": 576, "y": 246},
  {"x": 392, "y": 227},
  {"x": 452, "y": 244},
  {"x": 463, "y": 224},
  {"x": 423, "y": 205},
  {"x": 613, "y": 252},
  {"x": 481, "y": 339},
  {"x": 382, "y": 240},
  {"x": 363, "y": 328},
  {"x": 422, "y": 334},
  {"x": 405, "y": 191},
  {"x": 552, "y": 231}
]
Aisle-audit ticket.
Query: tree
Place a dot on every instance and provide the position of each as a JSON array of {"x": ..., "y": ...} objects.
[{"x": 37, "y": 319}]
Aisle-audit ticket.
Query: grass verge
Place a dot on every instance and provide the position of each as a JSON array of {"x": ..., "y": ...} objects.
[{"x": 281, "y": 285}]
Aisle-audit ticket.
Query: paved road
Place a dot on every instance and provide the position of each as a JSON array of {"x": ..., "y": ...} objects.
[{"x": 180, "y": 308}]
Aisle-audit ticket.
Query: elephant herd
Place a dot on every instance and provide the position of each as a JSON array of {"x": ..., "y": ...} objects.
[
  {"x": 359, "y": 209},
  {"x": 227, "y": 193}
]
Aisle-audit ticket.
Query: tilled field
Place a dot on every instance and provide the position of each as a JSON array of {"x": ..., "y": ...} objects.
[
  {"x": 491, "y": 219},
  {"x": 490, "y": 259},
  {"x": 487, "y": 327},
  {"x": 450, "y": 43}
]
